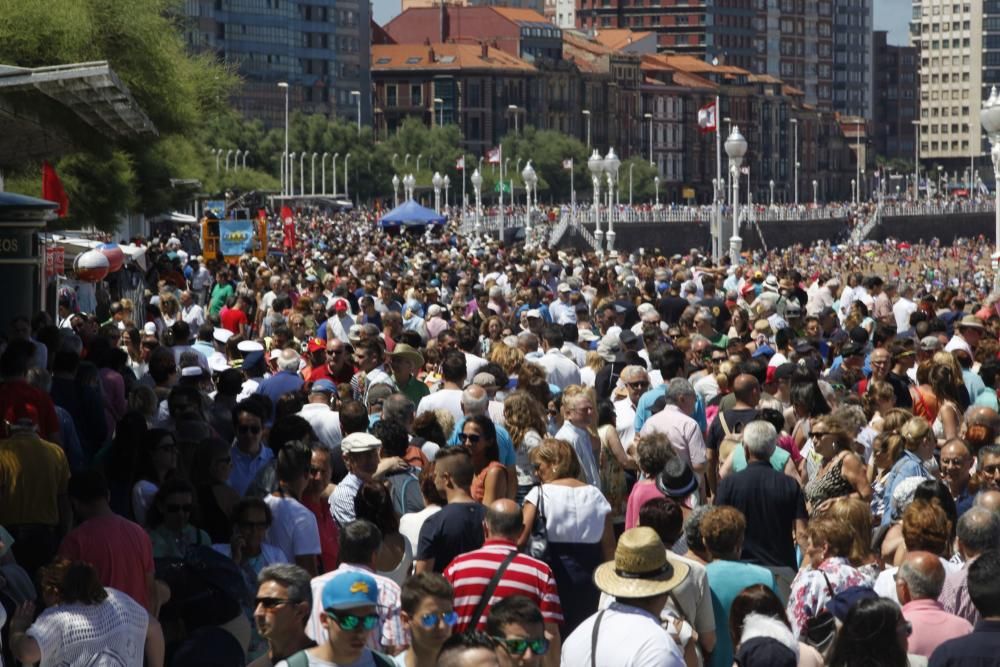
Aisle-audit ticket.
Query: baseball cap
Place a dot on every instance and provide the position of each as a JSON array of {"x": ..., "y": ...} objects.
[
  {"x": 323, "y": 387},
  {"x": 930, "y": 344},
  {"x": 340, "y": 305},
  {"x": 534, "y": 313},
  {"x": 359, "y": 442},
  {"x": 316, "y": 344},
  {"x": 564, "y": 287},
  {"x": 852, "y": 349},
  {"x": 247, "y": 346},
  {"x": 350, "y": 590}
]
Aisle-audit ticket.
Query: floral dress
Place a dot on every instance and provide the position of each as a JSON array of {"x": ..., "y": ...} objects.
[{"x": 810, "y": 591}]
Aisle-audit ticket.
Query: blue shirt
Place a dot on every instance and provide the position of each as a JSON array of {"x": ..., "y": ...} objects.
[
  {"x": 909, "y": 465},
  {"x": 726, "y": 579},
  {"x": 279, "y": 384},
  {"x": 504, "y": 442},
  {"x": 979, "y": 649},
  {"x": 245, "y": 467},
  {"x": 643, "y": 409}
]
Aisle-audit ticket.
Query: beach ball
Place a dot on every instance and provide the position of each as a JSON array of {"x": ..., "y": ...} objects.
[
  {"x": 115, "y": 255},
  {"x": 91, "y": 266}
]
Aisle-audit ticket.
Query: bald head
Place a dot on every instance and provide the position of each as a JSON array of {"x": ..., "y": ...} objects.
[
  {"x": 989, "y": 500},
  {"x": 475, "y": 400},
  {"x": 746, "y": 389},
  {"x": 922, "y": 575},
  {"x": 978, "y": 531},
  {"x": 980, "y": 414},
  {"x": 503, "y": 519}
]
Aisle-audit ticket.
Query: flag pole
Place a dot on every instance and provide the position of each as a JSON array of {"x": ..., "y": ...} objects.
[
  {"x": 717, "y": 241},
  {"x": 464, "y": 203},
  {"x": 500, "y": 235}
]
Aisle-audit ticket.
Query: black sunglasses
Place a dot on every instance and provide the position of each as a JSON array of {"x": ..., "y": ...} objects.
[
  {"x": 271, "y": 603},
  {"x": 468, "y": 437},
  {"x": 249, "y": 429}
]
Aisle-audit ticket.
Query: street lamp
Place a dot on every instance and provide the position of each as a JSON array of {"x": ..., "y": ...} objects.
[
  {"x": 940, "y": 168},
  {"x": 650, "y": 117},
  {"x": 312, "y": 172},
  {"x": 771, "y": 184},
  {"x": 861, "y": 186},
  {"x": 512, "y": 108},
  {"x": 419, "y": 155},
  {"x": 447, "y": 184},
  {"x": 245, "y": 153},
  {"x": 596, "y": 165},
  {"x": 611, "y": 166},
  {"x": 346, "y": 158},
  {"x": 586, "y": 112},
  {"x": 357, "y": 94},
  {"x": 236, "y": 159},
  {"x": 916, "y": 157},
  {"x": 283, "y": 169},
  {"x": 228, "y": 153},
  {"x": 406, "y": 160},
  {"x": 477, "y": 185},
  {"x": 736, "y": 149},
  {"x": 437, "y": 183},
  {"x": 530, "y": 180},
  {"x": 656, "y": 185},
  {"x": 439, "y": 104},
  {"x": 284, "y": 84},
  {"x": 322, "y": 175},
  {"x": 291, "y": 173},
  {"x": 990, "y": 118},
  {"x": 302, "y": 173},
  {"x": 630, "y": 167},
  {"x": 815, "y": 193},
  {"x": 854, "y": 190},
  {"x": 795, "y": 146},
  {"x": 857, "y": 141},
  {"x": 334, "y": 179},
  {"x": 395, "y": 190}
]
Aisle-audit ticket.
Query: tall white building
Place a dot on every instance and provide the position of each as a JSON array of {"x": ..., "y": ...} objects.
[{"x": 949, "y": 36}]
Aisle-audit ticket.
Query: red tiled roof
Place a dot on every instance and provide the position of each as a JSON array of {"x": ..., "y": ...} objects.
[{"x": 448, "y": 56}]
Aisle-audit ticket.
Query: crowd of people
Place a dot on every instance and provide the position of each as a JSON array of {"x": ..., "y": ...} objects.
[{"x": 428, "y": 449}]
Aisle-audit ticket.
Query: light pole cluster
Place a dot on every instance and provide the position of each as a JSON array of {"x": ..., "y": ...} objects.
[
  {"x": 736, "y": 149},
  {"x": 990, "y": 118},
  {"x": 409, "y": 184},
  {"x": 219, "y": 152},
  {"x": 607, "y": 167}
]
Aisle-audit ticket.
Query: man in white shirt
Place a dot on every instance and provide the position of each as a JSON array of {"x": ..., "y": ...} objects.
[
  {"x": 640, "y": 579},
  {"x": 574, "y": 431},
  {"x": 324, "y": 421},
  {"x": 675, "y": 422},
  {"x": 903, "y": 308},
  {"x": 636, "y": 381},
  {"x": 559, "y": 369},
  {"x": 191, "y": 312},
  {"x": 968, "y": 332},
  {"x": 449, "y": 396},
  {"x": 561, "y": 310}
]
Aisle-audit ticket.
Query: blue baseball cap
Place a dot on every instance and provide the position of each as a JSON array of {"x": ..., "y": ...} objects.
[
  {"x": 350, "y": 590},
  {"x": 323, "y": 387}
]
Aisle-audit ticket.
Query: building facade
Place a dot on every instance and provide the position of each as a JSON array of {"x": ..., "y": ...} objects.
[
  {"x": 853, "y": 58},
  {"x": 897, "y": 99},
  {"x": 321, "y": 48}
]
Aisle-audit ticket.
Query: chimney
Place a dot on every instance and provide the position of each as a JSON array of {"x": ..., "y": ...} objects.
[{"x": 484, "y": 50}]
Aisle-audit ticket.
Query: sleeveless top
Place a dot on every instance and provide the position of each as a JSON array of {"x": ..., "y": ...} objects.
[
  {"x": 831, "y": 484},
  {"x": 479, "y": 481}
]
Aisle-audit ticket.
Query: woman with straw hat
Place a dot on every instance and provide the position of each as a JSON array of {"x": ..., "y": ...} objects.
[{"x": 640, "y": 579}]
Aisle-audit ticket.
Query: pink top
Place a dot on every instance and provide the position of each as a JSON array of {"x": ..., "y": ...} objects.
[
  {"x": 932, "y": 626},
  {"x": 642, "y": 493}
]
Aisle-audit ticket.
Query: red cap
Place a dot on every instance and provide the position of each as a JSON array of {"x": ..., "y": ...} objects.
[
  {"x": 340, "y": 305},
  {"x": 316, "y": 344}
]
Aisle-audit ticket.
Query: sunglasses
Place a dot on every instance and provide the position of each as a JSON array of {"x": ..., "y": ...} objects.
[
  {"x": 519, "y": 646},
  {"x": 430, "y": 621},
  {"x": 271, "y": 603},
  {"x": 173, "y": 509},
  {"x": 638, "y": 385},
  {"x": 353, "y": 621},
  {"x": 992, "y": 470},
  {"x": 249, "y": 429},
  {"x": 468, "y": 437}
]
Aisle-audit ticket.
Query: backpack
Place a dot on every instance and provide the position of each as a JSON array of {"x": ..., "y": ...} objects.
[
  {"x": 301, "y": 659},
  {"x": 731, "y": 438}
]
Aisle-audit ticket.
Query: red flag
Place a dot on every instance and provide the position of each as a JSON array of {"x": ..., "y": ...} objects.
[
  {"x": 286, "y": 213},
  {"x": 289, "y": 232},
  {"x": 52, "y": 189},
  {"x": 707, "y": 118}
]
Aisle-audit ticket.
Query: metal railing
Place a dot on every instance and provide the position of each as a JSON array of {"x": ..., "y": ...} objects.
[{"x": 938, "y": 208}]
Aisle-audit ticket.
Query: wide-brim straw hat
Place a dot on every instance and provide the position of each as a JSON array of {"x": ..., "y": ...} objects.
[{"x": 641, "y": 568}]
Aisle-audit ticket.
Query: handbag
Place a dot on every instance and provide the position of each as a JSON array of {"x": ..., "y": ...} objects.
[
  {"x": 538, "y": 542},
  {"x": 821, "y": 627}
]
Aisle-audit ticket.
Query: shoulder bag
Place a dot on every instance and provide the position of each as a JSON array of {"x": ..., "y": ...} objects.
[
  {"x": 477, "y": 615},
  {"x": 538, "y": 542}
]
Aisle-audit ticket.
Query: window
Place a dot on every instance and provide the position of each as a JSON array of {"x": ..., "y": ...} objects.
[
  {"x": 390, "y": 96},
  {"x": 416, "y": 97}
]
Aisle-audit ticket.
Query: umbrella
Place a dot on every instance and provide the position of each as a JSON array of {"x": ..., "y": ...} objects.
[{"x": 412, "y": 214}]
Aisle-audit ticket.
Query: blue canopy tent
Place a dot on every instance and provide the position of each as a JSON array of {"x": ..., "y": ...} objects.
[{"x": 411, "y": 214}]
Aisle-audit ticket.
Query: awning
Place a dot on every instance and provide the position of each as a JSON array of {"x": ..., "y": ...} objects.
[
  {"x": 74, "y": 246},
  {"x": 175, "y": 218}
]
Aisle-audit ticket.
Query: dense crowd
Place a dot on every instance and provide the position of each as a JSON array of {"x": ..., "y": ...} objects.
[{"x": 426, "y": 448}]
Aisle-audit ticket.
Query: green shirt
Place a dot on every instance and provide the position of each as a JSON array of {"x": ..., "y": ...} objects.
[
  {"x": 220, "y": 294},
  {"x": 414, "y": 390}
]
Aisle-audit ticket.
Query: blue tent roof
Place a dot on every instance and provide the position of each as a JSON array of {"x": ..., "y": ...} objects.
[{"x": 411, "y": 214}]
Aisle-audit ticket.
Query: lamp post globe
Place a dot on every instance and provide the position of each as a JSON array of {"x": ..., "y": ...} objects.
[
  {"x": 736, "y": 149},
  {"x": 596, "y": 165},
  {"x": 477, "y": 184},
  {"x": 446, "y": 182},
  {"x": 437, "y": 183}
]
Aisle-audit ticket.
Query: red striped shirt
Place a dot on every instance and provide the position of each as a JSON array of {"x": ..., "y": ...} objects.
[{"x": 470, "y": 574}]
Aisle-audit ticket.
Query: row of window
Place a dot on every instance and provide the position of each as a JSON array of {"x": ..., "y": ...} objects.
[
  {"x": 934, "y": 95},
  {"x": 947, "y": 26},
  {"x": 937, "y": 10},
  {"x": 954, "y": 61},
  {"x": 943, "y": 78},
  {"x": 962, "y": 112}
]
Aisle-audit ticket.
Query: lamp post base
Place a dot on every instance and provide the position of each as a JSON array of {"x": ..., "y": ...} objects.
[
  {"x": 599, "y": 235},
  {"x": 735, "y": 246},
  {"x": 611, "y": 241}
]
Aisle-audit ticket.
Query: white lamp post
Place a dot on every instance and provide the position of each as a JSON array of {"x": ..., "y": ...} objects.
[
  {"x": 596, "y": 165},
  {"x": 437, "y": 183},
  {"x": 406, "y": 161},
  {"x": 302, "y": 173},
  {"x": 650, "y": 117},
  {"x": 736, "y": 149},
  {"x": 795, "y": 162},
  {"x": 283, "y": 167},
  {"x": 586, "y": 113},
  {"x": 771, "y": 185},
  {"x": 630, "y": 167},
  {"x": 346, "y": 158},
  {"x": 447, "y": 184},
  {"x": 322, "y": 175},
  {"x": 530, "y": 179},
  {"x": 854, "y": 191},
  {"x": 514, "y": 109},
  {"x": 284, "y": 85},
  {"x": 477, "y": 184},
  {"x": 334, "y": 179},
  {"x": 312, "y": 172},
  {"x": 990, "y": 118},
  {"x": 291, "y": 174},
  {"x": 395, "y": 190},
  {"x": 245, "y": 153},
  {"x": 419, "y": 155},
  {"x": 916, "y": 156},
  {"x": 236, "y": 159},
  {"x": 815, "y": 192},
  {"x": 357, "y": 94},
  {"x": 438, "y": 104},
  {"x": 228, "y": 153},
  {"x": 611, "y": 166},
  {"x": 656, "y": 186}
]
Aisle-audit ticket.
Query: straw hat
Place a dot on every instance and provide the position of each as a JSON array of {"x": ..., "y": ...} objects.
[
  {"x": 971, "y": 322},
  {"x": 407, "y": 352},
  {"x": 640, "y": 568}
]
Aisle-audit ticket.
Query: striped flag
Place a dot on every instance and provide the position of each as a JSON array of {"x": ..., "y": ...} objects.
[
  {"x": 493, "y": 155},
  {"x": 460, "y": 163}
]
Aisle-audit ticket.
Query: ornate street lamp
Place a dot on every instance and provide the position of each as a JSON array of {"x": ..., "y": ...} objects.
[
  {"x": 596, "y": 165},
  {"x": 477, "y": 185},
  {"x": 395, "y": 190},
  {"x": 437, "y": 183},
  {"x": 611, "y": 166},
  {"x": 736, "y": 149}
]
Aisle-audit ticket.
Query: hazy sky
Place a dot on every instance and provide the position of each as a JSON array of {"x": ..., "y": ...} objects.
[
  {"x": 894, "y": 16},
  {"x": 891, "y": 15}
]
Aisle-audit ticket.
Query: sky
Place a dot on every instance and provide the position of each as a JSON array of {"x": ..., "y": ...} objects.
[
  {"x": 894, "y": 16},
  {"x": 891, "y": 15}
]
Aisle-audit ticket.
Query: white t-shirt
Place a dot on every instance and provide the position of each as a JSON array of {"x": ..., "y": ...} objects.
[
  {"x": 447, "y": 399},
  {"x": 411, "y": 523},
  {"x": 572, "y": 514},
  {"x": 325, "y": 423},
  {"x": 110, "y": 633},
  {"x": 366, "y": 660},
  {"x": 293, "y": 528}
]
